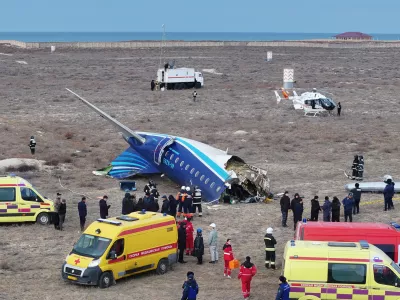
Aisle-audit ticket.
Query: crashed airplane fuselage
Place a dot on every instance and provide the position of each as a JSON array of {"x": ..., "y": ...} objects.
[{"x": 186, "y": 162}]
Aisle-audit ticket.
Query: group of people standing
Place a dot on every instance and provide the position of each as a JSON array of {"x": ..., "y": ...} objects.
[{"x": 330, "y": 209}]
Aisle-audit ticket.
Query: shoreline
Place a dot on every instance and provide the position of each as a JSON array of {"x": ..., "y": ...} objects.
[{"x": 316, "y": 43}]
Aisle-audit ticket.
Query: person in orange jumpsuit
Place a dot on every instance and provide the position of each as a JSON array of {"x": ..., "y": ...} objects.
[
  {"x": 189, "y": 236},
  {"x": 246, "y": 274},
  {"x": 228, "y": 256}
]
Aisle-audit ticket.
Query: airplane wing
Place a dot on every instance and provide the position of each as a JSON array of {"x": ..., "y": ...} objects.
[{"x": 126, "y": 132}]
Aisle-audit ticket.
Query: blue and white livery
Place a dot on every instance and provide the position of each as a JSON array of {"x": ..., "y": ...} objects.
[{"x": 186, "y": 162}]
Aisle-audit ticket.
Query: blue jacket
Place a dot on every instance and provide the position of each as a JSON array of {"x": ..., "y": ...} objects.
[
  {"x": 283, "y": 292},
  {"x": 348, "y": 204},
  {"x": 388, "y": 192},
  {"x": 327, "y": 208},
  {"x": 190, "y": 290},
  {"x": 82, "y": 209}
]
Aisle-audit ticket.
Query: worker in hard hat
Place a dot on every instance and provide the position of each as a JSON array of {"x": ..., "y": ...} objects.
[
  {"x": 32, "y": 145},
  {"x": 188, "y": 204},
  {"x": 180, "y": 197},
  {"x": 269, "y": 249}
]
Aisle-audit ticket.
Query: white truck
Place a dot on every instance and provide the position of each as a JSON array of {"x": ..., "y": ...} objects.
[{"x": 179, "y": 78}]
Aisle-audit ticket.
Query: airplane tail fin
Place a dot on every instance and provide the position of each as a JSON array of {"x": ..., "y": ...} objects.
[{"x": 278, "y": 98}]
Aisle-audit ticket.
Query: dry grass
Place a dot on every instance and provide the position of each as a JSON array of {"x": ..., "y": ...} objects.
[{"x": 305, "y": 155}]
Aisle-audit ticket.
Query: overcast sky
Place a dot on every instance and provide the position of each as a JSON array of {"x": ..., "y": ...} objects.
[{"x": 326, "y": 16}]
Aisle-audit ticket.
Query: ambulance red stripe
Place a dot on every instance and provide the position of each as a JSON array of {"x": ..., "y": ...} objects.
[
  {"x": 12, "y": 184},
  {"x": 24, "y": 210},
  {"x": 329, "y": 259},
  {"x": 148, "y": 227},
  {"x": 116, "y": 260},
  {"x": 152, "y": 251}
]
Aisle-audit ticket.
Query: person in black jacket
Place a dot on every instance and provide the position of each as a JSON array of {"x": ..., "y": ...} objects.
[
  {"x": 172, "y": 205},
  {"x": 336, "y": 209},
  {"x": 199, "y": 246},
  {"x": 339, "y": 108},
  {"x": 165, "y": 205},
  {"x": 140, "y": 205},
  {"x": 315, "y": 209},
  {"x": 181, "y": 241},
  {"x": 104, "y": 207},
  {"x": 127, "y": 204},
  {"x": 270, "y": 243},
  {"x": 285, "y": 206},
  {"x": 62, "y": 210},
  {"x": 297, "y": 207},
  {"x": 357, "y": 198},
  {"x": 32, "y": 145},
  {"x": 82, "y": 212}
]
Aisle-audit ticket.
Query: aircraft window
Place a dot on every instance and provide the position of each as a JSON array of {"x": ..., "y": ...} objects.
[
  {"x": 166, "y": 154},
  {"x": 172, "y": 156},
  {"x": 207, "y": 180},
  {"x": 187, "y": 167},
  {"x": 192, "y": 171},
  {"x": 182, "y": 163},
  {"x": 197, "y": 174},
  {"x": 218, "y": 189},
  {"x": 212, "y": 185},
  {"x": 176, "y": 160},
  {"x": 202, "y": 177}
]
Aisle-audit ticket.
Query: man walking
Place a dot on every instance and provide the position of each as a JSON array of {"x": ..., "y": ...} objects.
[
  {"x": 62, "y": 210},
  {"x": 315, "y": 209},
  {"x": 285, "y": 206},
  {"x": 82, "y": 212},
  {"x": 32, "y": 145},
  {"x": 213, "y": 243},
  {"x": 270, "y": 243},
  {"x": 348, "y": 204},
  {"x": 104, "y": 207},
  {"x": 152, "y": 85},
  {"x": 194, "y": 96},
  {"x": 357, "y": 198},
  {"x": 339, "y": 109},
  {"x": 228, "y": 256},
  {"x": 247, "y": 271}
]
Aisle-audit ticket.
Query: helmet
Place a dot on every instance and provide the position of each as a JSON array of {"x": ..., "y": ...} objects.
[
  {"x": 212, "y": 225},
  {"x": 183, "y": 187},
  {"x": 270, "y": 230},
  {"x": 199, "y": 230},
  {"x": 188, "y": 188}
]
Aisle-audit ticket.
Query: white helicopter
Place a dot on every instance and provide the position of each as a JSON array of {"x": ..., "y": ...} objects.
[{"x": 311, "y": 102}]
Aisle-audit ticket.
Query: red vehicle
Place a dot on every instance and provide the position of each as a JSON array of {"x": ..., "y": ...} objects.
[{"x": 384, "y": 236}]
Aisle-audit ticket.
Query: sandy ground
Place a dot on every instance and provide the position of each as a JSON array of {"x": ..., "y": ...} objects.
[{"x": 305, "y": 155}]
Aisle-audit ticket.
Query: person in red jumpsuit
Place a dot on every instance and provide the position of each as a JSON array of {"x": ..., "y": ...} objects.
[
  {"x": 189, "y": 236},
  {"x": 246, "y": 273},
  {"x": 228, "y": 256}
]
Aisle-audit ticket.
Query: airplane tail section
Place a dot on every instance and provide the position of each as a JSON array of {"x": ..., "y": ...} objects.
[{"x": 127, "y": 164}]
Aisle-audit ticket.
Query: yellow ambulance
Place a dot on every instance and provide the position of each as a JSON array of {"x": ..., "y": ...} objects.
[
  {"x": 114, "y": 248},
  {"x": 20, "y": 202},
  {"x": 340, "y": 270}
]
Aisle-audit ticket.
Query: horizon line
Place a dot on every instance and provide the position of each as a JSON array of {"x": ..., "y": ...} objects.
[{"x": 279, "y": 32}]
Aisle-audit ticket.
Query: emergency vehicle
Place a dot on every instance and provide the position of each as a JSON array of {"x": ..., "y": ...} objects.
[
  {"x": 20, "y": 202},
  {"x": 384, "y": 236},
  {"x": 180, "y": 78},
  {"x": 340, "y": 270},
  {"x": 110, "y": 249}
]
